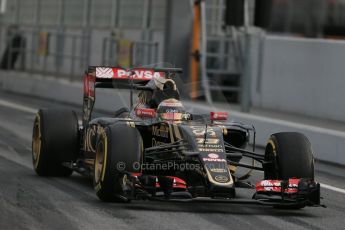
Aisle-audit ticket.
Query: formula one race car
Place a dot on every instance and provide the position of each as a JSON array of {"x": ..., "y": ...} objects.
[{"x": 156, "y": 150}]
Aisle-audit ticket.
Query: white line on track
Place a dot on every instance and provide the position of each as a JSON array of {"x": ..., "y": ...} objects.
[
  {"x": 330, "y": 187},
  {"x": 16, "y": 106},
  {"x": 32, "y": 110}
]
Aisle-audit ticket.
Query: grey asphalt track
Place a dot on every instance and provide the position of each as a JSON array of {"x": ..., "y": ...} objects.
[{"x": 28, "y": 201}]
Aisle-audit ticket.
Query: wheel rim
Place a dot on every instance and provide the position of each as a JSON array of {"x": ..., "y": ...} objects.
[
  {"x": 36, "y": 142},
  {"x": 99, "y": 161}
]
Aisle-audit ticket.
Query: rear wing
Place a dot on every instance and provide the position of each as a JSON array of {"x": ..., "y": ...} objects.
[
  {"x": 117, "y": 77},
  {"x": 136, "y": 74}
]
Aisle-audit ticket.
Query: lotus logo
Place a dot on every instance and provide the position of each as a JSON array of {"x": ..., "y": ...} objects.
[
  {"x": 213, "y": 155},
  {"x": 221, "y": 178}
]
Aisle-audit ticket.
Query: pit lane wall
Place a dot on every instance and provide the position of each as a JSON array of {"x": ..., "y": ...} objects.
[
  {"x": 328, "y": 144},
  {"x": 299, "y": 75}
]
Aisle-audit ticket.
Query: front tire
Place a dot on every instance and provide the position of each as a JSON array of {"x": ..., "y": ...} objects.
[
  {"x": 119, "y": 150},
  {"x": 291, "y": 155}
]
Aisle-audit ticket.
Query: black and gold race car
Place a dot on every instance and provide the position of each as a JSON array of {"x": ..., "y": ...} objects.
[{"x": 157, "y": 150}]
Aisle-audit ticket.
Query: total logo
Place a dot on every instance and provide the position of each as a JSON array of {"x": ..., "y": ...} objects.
[{"x": 213, "y": 155}]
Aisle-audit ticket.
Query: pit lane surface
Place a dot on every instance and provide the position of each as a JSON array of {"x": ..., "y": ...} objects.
[{"x": 31, "y": 202}]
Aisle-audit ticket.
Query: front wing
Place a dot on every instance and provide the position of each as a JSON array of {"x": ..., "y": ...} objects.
[{"x": 281, "y": 193}]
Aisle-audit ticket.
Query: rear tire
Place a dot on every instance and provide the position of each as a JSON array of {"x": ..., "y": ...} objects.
[
  {"x": 119, "y": 149},
  {"x": 54, "y": 141},
  {"x": 292, "y": 156}
]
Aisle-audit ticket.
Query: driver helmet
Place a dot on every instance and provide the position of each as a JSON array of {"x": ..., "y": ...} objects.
[{"x": 170, "y": 109}]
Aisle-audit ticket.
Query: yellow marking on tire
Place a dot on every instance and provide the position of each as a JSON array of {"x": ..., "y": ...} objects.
[
  {"x": 270, "y": 141},
  {"x": 38, "y": 148},
  {"x": 105, "y": 154}
]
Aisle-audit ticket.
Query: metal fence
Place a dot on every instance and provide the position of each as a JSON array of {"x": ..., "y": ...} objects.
[
  {"x": 49, "y": 53},
  {"x": 63, "y": 54},
  {"x": 61, "y": 38},
  {"x": 128, "y": 53},
  {"x": 135, "y": 14}
]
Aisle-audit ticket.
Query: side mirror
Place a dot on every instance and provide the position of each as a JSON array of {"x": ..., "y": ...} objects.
[{"x": 218, "y": 116}]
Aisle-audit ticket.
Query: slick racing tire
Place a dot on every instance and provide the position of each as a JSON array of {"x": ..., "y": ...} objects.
[
  {"x": 118, "y": 152},
  {"x": 291, "y": 155},
  {"x": 54, "y": 141}
]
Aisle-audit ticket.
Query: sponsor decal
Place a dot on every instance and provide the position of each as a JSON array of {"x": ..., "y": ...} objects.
[
  {"x": 275, "y": 186},
  {"x": 219, "y": 116},
  {"x": 221, "y": 178},
  {"x": 210, "y": 146},
  {"x": 210, "y": 150},
  {"x": 103, "y": 72},
  {"x": 200, "y": 131},
  {"x": 266, "y": 183},
  {"x": 213, "y": 155},
  {"x": 119, "y": 73},
  {"x": 146, "y": 74},
  {"x": 209, "y": 141},
  {"x": 213, "y": 160},
  {"x": 140, "y": 112},
  {"x": 218, "y": 170}
]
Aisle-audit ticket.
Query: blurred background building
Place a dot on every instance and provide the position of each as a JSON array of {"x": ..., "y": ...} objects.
[{"x": 62, "y": 37}]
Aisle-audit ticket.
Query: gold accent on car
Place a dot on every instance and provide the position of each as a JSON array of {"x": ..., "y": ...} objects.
[{"x": 101, "y": 158}]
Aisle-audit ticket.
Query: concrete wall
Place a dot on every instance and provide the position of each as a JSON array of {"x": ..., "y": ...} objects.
[
  {"x": 328, "y": 144},
  {"x": 305, "y": 76}
]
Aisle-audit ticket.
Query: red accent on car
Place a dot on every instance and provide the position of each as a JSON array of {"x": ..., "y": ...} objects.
[
  {"x": 218, "y": 116},
  {"x": 275, "y": 186},
  {"x": 136, "y": 174},
  {"x": 148, "y": 113},
  {"x": 178, "y": 182},
  {"x": 89, "y": 86}
]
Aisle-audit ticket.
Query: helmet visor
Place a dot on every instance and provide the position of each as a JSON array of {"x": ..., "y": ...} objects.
[{"x": 171, "y": 116}]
